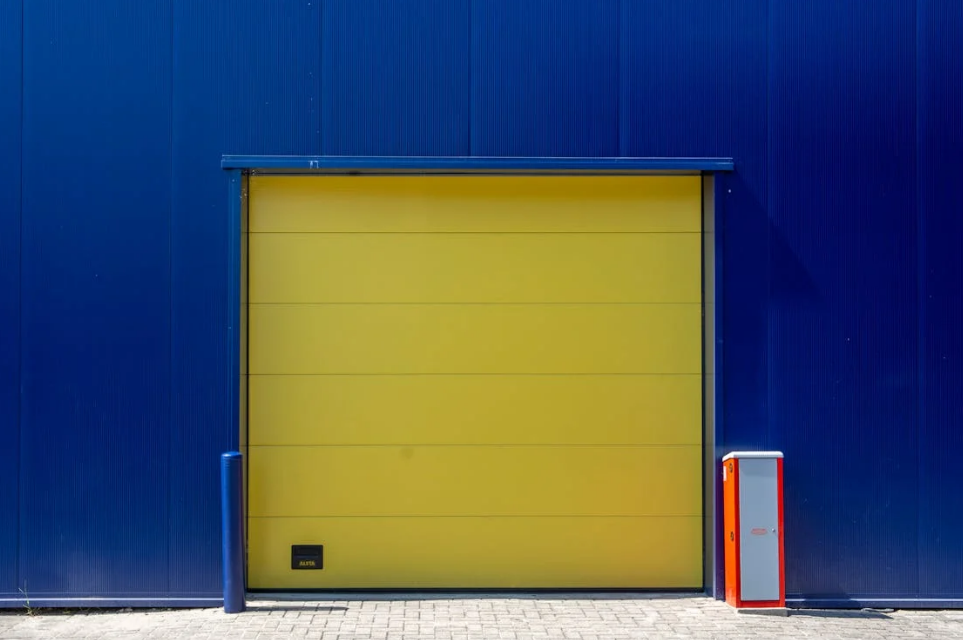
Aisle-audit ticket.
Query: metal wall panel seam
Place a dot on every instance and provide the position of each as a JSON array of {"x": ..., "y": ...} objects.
[
  {"x": 620, "y": 142},
  {"x": 471, "y": 79},
  {"x": 20, "y": 310},
  {"x": 170, "y": 311},
  {"x": 920, "y": 305},
  {"x": 319, "y": 86},
  {"x": 770, "y": 199},
  {"x": 19, "y": 381}
]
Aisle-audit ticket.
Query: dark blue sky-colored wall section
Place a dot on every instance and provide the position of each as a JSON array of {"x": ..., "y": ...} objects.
[
  {"x": 843, "y": 309},
  {"x": 96, "y": 297},
  {"x": 544, "y": 78},
  {"x": 941, "y": 269},
  {"x": 396, "y": 78},
  {"x": 842, "y": 275},
  {"x": 11, "y": 20}
]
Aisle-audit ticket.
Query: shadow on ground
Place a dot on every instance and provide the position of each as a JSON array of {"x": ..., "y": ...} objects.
[
  {"x": 325, "y": 596},
  {"x": 256, "y": 607},
  {"x": 843, "y": 614}
]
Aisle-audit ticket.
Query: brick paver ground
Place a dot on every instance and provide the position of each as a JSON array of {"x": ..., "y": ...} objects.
[{"x": 489, "y": 618}]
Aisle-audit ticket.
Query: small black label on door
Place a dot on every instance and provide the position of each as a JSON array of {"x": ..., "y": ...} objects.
[{"x": 307, "y": 556}]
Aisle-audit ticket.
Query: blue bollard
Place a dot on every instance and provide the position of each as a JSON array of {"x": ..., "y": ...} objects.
[{"x": 232, "y": 531}]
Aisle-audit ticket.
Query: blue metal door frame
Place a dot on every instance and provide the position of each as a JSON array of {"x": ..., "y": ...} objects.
[{"x": 712, "y": 170}]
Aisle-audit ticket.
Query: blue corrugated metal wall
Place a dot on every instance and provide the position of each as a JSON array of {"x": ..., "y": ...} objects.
[
  {"x": 842, "y": 271},
  {"x": 11, "y": 21},
  {"x": 544, "y": 78},
  {"x": 843, "y": 329},
  {"x": 394, "y": 77},
  {"x": 95, "y": 313},
  {"x": 940, "y": 212}
]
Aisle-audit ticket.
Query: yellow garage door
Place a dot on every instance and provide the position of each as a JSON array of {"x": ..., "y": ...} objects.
[{"x": 475, "y": 381}]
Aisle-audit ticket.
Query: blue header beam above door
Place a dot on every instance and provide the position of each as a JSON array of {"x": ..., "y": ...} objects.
[{"x": 340, "y": 164}]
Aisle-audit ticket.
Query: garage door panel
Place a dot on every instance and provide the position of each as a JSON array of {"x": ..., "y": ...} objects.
[
  {"x": 475, "y": 481},
  {"x": 476, "y": 267},
  {"x": 413, "y": 553},
  {"x": 491, "y": 339},
  {"x": 475, "y": 409},
  {"x": 476, "y": 381},
  {"x": 476, "y": 203}
]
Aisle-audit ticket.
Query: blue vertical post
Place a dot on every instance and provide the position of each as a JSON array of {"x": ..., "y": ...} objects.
[{"x": 232, "y": 531}]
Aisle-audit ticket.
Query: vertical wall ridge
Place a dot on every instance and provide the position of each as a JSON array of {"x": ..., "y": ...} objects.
[
  {"x": 920, "y": 294},
  {"x": 170, "y": 306},
  {"x": 11, "y": 155},
  {"x": 18, "y": 570},
  {"x": 771, "y": 442},
  {"x": 320, "y": 92}
]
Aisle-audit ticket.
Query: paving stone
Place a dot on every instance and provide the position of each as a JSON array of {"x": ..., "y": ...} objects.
[{"x": 602, "y": 617}]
